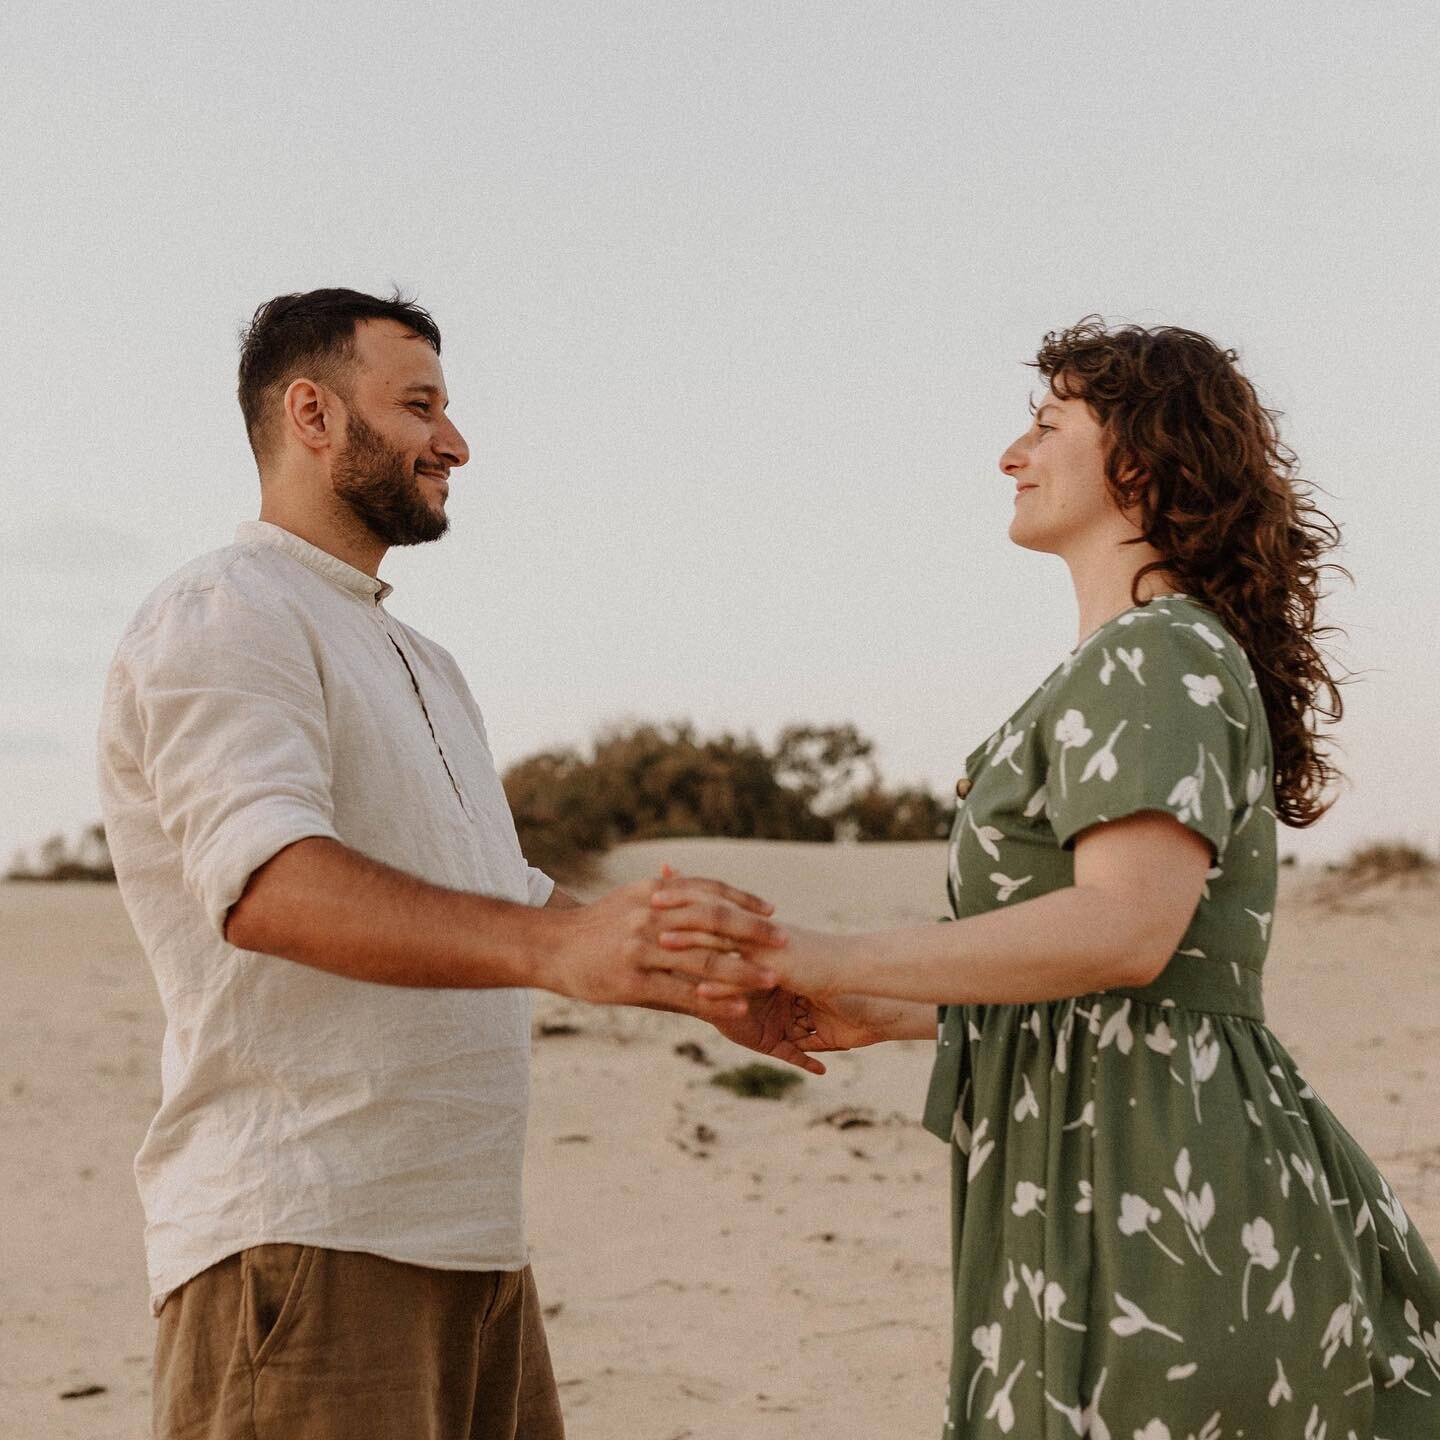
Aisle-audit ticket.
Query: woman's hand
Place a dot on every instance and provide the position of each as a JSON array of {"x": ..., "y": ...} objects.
[{"x": 847, "y": 1022}]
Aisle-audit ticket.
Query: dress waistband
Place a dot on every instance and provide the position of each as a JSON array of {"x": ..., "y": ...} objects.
[{"x": 1193, "y": 982}]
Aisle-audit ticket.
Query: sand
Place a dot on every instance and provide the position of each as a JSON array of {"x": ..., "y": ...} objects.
[{"x": 716, "y": 1268}]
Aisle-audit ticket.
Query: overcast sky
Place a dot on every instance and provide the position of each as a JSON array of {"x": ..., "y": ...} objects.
[{"x": 735, "y": 301}]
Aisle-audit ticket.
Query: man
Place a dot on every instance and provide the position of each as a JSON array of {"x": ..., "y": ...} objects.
[{"x": 316, "y": 853}]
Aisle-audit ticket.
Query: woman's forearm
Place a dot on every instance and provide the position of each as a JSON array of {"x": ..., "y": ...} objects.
[{"x": 1068, "y": 942}]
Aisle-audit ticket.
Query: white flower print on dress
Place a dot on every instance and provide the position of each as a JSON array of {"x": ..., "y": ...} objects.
[
  {"x": 1085, "y": 1205},
  {"x": 1154, "y": 1430},
  {"x": 1116, "y": 1031},
  {"x": 986, "y": 1339},
  {"x": 1203, "y": 631},
  {"x": 1132, "y": 660},
  {"x": 1085, "y": 1420},
  {"x": 1012, "y": 1285},
  {"x": 1283, "y": 1299},
  {"x": 1005, "y": 887},
  {"x": 1137, "y": 1215},
  {"x": 981, "y": 1153},
  {"x": 1036, "y": 803},
  {"x": 1189, "y": 790},
  {"x": 1073, "y": 734},
  {"x": 1005, "y": 755},
  {"x": 1428, "y": 1344},
  {"x": 1195, "y": 1208},
  {"x": 1204, "y": 1057},
  {"x": 1206, "y": 690},
  {"x": 1305, "y": 1173},
  {"x": 1400, "y": 1368},
  {"x": 1160, "y": 1040},
  {"x": 1027, "y": 1105},
  {"x": 1258, "y": 1238},
  {"x": 1054, "y": 1303},
  {"x": 1280, "y": 1390},
  {"x": 1255, "y": 783},
  {"x": 1262, "y": 919},
  {"x": 987, "y": 835},
  {"x": 1339, "y": 1330},
  {"x": 1107, "y": 669},
  {"x": 1133, "y": 1320},
  {"x": 1027, "y": 1199},
  {"x": 1394, "y": 1212},
  {"x": 1103, "y": 760},
  {"x": 1002, "y": 1409},
  {"x": 1225, "y": 795}
]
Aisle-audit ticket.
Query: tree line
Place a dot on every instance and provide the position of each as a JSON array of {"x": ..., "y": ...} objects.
[{"x": 647, "y": 781}]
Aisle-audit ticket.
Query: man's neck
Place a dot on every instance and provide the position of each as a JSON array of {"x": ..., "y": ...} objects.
[{"x": 336, "y": 532}]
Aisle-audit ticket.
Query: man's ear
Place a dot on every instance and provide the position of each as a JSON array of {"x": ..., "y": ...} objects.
[{"x": 311, "y": 414}]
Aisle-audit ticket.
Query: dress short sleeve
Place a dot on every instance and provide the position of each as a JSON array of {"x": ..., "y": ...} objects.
[{"x": 1157, "y": 712}]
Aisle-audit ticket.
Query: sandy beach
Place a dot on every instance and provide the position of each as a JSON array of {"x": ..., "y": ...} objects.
[{"x": 715, "y": 1268}]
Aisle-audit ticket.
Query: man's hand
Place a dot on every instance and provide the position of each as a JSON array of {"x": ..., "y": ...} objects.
[{"x": 609, "y": 953}]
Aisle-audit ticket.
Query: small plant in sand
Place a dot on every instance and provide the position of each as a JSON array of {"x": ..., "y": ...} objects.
[{"x": 757, "y": 1081}]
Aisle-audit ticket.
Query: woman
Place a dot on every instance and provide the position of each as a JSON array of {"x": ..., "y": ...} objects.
[{"x": 1159, "y": 1229}]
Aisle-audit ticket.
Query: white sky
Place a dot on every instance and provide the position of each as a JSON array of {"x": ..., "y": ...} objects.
[{"x": 735, "y": 299}]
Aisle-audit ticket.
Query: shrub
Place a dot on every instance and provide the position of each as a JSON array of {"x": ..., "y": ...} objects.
[{"x": 757, "y": 1081}]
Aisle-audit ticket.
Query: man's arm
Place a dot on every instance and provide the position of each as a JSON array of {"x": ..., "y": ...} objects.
[{"x": 320, "y": 903}]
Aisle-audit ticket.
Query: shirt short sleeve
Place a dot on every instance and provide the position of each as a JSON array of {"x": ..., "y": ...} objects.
[
  {"x": 1153, "y": 715},
  {"x": 220, "y": 706}
]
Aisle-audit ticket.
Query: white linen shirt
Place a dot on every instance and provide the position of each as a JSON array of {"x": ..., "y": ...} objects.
[{"x": 261, "y": 695}]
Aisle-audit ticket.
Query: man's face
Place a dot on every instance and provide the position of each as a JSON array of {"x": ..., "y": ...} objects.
[{"x": 393, "y": 465}]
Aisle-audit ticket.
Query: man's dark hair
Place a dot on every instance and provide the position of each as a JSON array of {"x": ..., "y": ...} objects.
[{"x": 310, "y": 336}]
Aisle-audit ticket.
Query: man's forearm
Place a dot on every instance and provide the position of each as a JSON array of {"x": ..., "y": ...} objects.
[{"x": 320, "y": 903}]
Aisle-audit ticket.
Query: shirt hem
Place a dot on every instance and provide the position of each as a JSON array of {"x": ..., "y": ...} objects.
[{"x": 162, "y": 1290}]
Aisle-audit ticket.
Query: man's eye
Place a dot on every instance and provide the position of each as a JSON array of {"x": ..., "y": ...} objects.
[{"x": 423, "y": 406}]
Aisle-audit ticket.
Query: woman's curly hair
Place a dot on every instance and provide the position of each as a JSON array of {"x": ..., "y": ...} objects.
[{"x": 1193, "y": 451}]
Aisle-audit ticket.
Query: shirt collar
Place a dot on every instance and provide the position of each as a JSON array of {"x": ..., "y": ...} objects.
[{"x": 322, "y": 562}]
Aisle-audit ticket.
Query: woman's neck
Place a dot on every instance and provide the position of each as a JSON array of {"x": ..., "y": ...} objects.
[{"x": 1105, "y": 587}]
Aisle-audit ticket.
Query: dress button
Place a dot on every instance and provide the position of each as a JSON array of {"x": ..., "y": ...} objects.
[{"x": 962, "y": 787}]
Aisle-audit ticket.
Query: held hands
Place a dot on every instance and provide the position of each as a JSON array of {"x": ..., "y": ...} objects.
[
  {"x": 609, "y": 952},
  {"x": 787, "y": 1021}
]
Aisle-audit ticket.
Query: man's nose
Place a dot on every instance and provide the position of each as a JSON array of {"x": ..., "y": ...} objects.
[{"x": 450, "y": 444}]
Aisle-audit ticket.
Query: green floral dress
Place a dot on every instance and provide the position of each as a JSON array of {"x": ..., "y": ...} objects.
[{"x": 1160, "y": 1231}]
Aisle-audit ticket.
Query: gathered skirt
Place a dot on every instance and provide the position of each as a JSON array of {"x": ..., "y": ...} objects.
[{"x": 1161, "y": 1232}]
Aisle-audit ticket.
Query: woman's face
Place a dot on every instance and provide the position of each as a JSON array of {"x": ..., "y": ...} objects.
[{"x": 1062, "y": 503}]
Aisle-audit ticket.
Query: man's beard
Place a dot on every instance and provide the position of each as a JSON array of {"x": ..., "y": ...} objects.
[{"x": 382, "y": 489}]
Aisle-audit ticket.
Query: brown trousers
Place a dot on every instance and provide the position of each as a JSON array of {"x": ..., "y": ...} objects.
[{"x": 282, "y": 1342}]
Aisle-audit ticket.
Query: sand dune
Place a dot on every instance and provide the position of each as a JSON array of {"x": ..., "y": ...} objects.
[{"x": 716, "y": 1268}]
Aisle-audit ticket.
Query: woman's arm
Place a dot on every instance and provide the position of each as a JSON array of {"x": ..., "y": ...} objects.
[{"x": 1137, "y": 883}]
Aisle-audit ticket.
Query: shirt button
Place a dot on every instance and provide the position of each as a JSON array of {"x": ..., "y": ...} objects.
[{"x": 962, "y": 787}]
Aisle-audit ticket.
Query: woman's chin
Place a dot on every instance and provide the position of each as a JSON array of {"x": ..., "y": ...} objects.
[{"x": 1027, "y": 539}]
